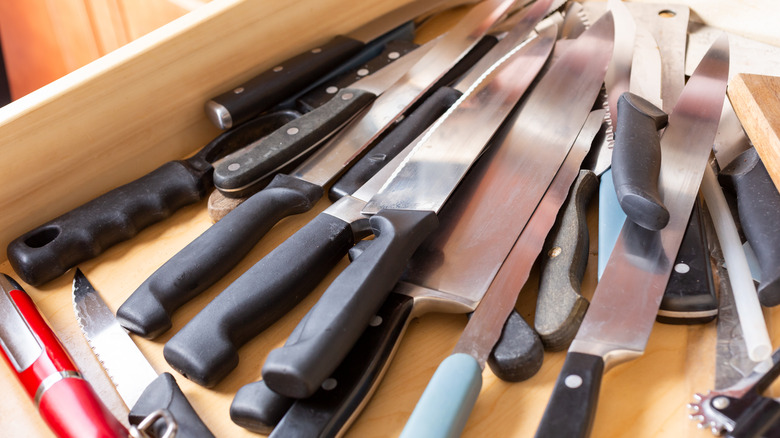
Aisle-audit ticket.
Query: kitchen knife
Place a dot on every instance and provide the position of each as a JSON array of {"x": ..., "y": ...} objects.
[
  {"x": 409, "y": 202},
  {"x": 219, "y": 248},
  {"x": 621, "y": 315},
  {"x": 452, "y": 392},
  {"x": 139, "y": 386},
  {"x": 48, "y": 251},
  {"x": 275, "y": 85},
  {"x": 67, "y": 402},
  {"x": 275, "y": 284}
]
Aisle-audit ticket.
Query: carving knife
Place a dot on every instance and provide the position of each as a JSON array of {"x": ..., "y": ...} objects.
[
  {"x": 623, "y": 309},
  {"x": 404, "y": 211},
  {"x": 139, "y": 386},
  {"x": 275, "y": 284},
  {"x": 66, "y": 402},
  {"x": 219, "y": 248}
]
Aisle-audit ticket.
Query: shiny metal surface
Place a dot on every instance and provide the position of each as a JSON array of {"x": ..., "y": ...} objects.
[
  {"x": 123, "y": 362},
  {"x": 625, "y": 303},
  {"x": 485, "y": 325},
  {"x": 218, "y": 115},
  {"x": 330, "y": 160},
  {"x": 646, "y": 68},
  {"x": 16, "y": 338}
]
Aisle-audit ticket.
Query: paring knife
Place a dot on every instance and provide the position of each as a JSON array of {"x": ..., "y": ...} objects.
[
  {"x": 404, "y": 212},
  {"x": 67, "y": 402},
  {"x": 139, "y": 386},
  {"x": 623, "y": 309},
  {"x": 284, "y": 80},
  {"x": 220, "y": 247},
  {"x": 48, "y": 251},
  {"x": 275, "y": 284}
]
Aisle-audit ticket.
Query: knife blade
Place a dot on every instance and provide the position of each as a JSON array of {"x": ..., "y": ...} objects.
[
  {"x": 220, "y": 247},
  {"x": 31, "y": 349},
  {"x": 624, "y": 306},
  {"x": 289, "y": 370},
  {"x": 285, "y": 79},
  {"x": 275, "y": 284},
  {"x": 138, "y": 384}
]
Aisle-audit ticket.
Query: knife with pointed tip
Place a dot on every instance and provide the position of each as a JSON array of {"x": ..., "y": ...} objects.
[
  {"x": 137, "y": 383},
  {"x": 623, "y": 309}
]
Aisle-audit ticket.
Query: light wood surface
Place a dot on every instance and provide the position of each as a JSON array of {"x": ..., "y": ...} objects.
[
  {"x": 123, "y": 115},
  {"x": 756, "y": 100}
]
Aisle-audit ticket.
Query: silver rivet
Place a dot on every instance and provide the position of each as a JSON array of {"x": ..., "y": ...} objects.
[
  {"x": 332, "y": 90},
  {"x": 573, "y": 381},
  {"x": 375, "y": 321},
  {"x": 238, "y": 90},
  {"x": 233, "y": 167},
  {"x": 317, "y": 50},
  {"x": 554, "y": 252},
  {"x": 347, "y": 96},
  {"x": 292, "y": 131},
  {"x": 393, "y": 55},
  {"x": 720, "y": 402},
  {"x": 682, "y": 268},
  {"x": 278, "y": 68},
  {"x": 363, "y": 72},
  {"x": 329, "y": 384}
]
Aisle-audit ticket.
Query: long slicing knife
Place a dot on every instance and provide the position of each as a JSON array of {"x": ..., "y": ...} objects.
[
  {"x": 404, "y": 211},
  {"x": 139, "y": 386},
  {"x": 268, "y": 289},
  {"x": 623, "y": 309},
  {"x": 223, "y": 245}
]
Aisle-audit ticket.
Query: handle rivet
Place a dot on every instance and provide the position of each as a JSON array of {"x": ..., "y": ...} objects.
[
  {"x": 393, "y": 55},
  {"x": 238, "y": 90},
  {"x": 363, "y": 72},
  {"x": 332, "y": 89},
  {"x": 720, "y": 402},
  {"x": 317, "y": 50},
  {"x": 278, "y": 68},
  {"x": 347, "y": 96},
  {"x": 234, "y": 166},
  {"x": 292, "y": 131},
  {"x": 375, "y": 321},
  {"x": 573, "y": 381},
  {"x": 554, "y": 252},
  {"x": 682, "y": 268},
  {"x": 329, "y": 384}
]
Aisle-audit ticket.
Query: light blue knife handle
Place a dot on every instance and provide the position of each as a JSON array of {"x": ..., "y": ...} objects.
[
  {"x": 447, "y": 401},
  {"x": 611, "y": 219}
]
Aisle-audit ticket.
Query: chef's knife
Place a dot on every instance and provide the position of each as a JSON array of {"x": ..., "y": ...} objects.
[
  {"x": 273, "y": 285},
  {"x": 66, "y": 402},
  {"x": 409, "y": 202},
  {"x": 623, "y": 309},
  {"x": 48, "y": 251},
  {"x": 282, "y": 81},
  {"x": 219, "y": 248},
  {"x": 139, "y": 386}
]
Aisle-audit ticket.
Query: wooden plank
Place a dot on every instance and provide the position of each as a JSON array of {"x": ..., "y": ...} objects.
[{"x": 756, "y": 100}]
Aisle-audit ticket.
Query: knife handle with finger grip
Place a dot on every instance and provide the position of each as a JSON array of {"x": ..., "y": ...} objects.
[
  {"x": 636, "y": 161},
  {"x": 758, "y": 204},
  {"x": 326, "y": 334},
  {"x": 559, "y": 305}
]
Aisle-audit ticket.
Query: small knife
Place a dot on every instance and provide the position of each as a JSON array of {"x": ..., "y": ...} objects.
[
  {"x": 139, "y": 386},
  {"x": 67, "y": 402}
]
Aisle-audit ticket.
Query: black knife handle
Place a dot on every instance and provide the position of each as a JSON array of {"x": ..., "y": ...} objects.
[
  {"x": 205, "y": 350},
  {"x": 213, "y": 254},
  {"x": 758, "y": 204},
  {"x": 258, "y": 409},
  {"x": 164, "y": 393},
  {"x": 636, "y": 161},
  {"x": 518, "y": 353},
  {"x": 329, "y": 330},
  {"x": 690, "y": 297},
  {"x": 571, "y": 408},
  {"x": 239, "y": 173},
  {"x": 280, "y": 82},
  {"x": 403, "y": 134},
  {"x": 559, "y": 305},
  {"x": 49, "y": 250}
]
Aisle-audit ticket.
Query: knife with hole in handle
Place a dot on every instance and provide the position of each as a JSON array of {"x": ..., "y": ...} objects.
[{"x": 624, "y": 306}]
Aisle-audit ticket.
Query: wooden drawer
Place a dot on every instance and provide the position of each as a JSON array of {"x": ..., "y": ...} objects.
[{"x": 141, "y": 105}]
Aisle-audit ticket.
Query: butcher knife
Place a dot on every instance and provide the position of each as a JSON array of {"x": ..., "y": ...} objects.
[
  {"x": 219, "y": 248},
  {"x": 139, "y": 386},
  {"x": 275, "y": 284},
  {"x": 404, "y": 211},
  {"x": 623, "y": 309}
]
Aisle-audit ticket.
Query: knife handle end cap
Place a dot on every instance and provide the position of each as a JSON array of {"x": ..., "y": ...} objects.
[
  {"x": 203, "y": 362},
  {"x": 143, "y": 315}
]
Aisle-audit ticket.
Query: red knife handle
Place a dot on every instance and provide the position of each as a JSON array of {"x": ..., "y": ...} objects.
[{"x": 64, "y": 399}]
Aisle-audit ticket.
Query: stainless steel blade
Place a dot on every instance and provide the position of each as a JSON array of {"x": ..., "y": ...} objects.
[
  {"x": 646, "y": 68},
  {"x": 123, "y": 362},
  {"x": 625, "y": 303},
  {"x": 330, "y": 160}
]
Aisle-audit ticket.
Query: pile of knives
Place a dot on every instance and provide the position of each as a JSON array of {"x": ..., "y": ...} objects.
[{"x": 458, "y": 168}]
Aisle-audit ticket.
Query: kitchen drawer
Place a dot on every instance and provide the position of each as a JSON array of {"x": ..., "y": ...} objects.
[{"x": 141, "y": 105}]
